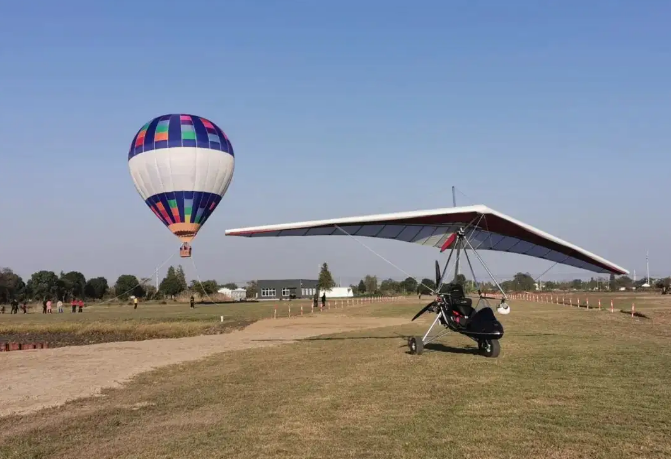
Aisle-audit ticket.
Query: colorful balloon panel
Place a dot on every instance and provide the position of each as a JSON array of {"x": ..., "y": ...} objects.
[{"x": 181, "y": 166}]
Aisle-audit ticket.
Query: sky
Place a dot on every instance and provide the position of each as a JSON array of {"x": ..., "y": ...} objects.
[{"x": 555, "y": 113}]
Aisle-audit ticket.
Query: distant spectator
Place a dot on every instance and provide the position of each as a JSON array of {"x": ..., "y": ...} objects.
[
  {"x": 135, "y": 303},
  {"x": 193, "y": 302},
  {"x": 74, "y": 305},
  {"x": 81, "y": 305},
  {"x": 15, "y": 306},
  {"x": 44, "y": 306},
  {"x": 49, "y": 307},
  {"x": 60, "y": 306},
  {"x": 24, "y": 307}
]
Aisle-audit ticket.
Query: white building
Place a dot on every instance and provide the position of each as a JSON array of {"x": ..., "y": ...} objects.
[
  {"x": 338, "y": 292},
  {"x": 238, "y": 294}
]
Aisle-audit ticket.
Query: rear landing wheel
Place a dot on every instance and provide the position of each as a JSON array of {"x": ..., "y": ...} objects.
[
  {"x": 490, "y": 347},
  {"x": 416, "y": 345}
]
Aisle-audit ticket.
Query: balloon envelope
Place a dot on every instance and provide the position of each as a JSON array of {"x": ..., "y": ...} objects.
[{"x": 182, "y": 166}]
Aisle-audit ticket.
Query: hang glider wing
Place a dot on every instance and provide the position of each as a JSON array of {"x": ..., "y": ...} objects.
[{"x": 486, "y": 229}]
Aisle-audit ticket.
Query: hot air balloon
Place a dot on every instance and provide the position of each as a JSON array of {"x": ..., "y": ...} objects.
[{"x": 182, "y": 166}]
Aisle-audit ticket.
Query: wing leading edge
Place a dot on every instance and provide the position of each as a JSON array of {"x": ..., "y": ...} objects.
[{"x": 486, "y": 229}]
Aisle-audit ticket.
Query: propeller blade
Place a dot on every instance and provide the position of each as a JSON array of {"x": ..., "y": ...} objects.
[
  {"x": 424, "y": 309},
  {"x": 438, "y": 276}
]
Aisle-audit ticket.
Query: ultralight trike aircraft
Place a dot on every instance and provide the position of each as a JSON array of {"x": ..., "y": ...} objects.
[{"x": 460, "y": 229}]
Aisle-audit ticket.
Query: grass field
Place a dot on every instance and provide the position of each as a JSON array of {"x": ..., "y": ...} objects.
[
  {"x": 120, "y": 322},
  {"x": 570, "y": 383}
]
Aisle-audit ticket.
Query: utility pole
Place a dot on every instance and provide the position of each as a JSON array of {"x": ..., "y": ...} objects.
[
  {"x": 454, "y": 204},
  {"x": 647, "y": 266}
]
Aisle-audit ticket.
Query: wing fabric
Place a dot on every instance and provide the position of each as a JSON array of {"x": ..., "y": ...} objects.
[{"x": 485, "y": 228}]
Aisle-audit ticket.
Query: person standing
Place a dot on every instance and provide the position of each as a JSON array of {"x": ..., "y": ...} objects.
[
  {"x": 49, "y": 307},
  {"x": 44, "y": 306},
  {"x": 192, "y": 301},
  {"x": 135, "y": 300},
  {"x": 60, "y": 306},
  {"x": 74, "y": 305},
  {"x": 81, "y": 305}
]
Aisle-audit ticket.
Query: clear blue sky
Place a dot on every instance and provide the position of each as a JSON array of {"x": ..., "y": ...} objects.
[{"x": 556, "y": 113}]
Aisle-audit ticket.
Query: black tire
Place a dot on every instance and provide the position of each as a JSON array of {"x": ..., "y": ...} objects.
[
  {"x": 416, "y": 345},
  {"x": 490, "y": 347}
]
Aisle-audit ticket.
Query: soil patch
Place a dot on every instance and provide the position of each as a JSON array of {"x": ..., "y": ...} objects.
[
  {"x": 110, "y": 335},
  {"x": 36, "y": 379}
]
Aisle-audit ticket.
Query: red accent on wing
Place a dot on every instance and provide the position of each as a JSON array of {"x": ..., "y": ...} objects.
[{"x": 449, "y": 242}]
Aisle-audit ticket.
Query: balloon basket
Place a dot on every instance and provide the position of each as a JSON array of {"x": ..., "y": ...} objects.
[{"x": 185, "y": 251}]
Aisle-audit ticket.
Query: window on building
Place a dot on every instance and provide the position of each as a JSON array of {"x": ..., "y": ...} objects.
[
  {"x": 267, "y": 292},
  {"x": 286, "y": 291}
]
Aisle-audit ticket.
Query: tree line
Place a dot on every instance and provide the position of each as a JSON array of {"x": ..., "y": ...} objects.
[
  {"x": 521, "y": 282},
  {"x": 370, "y": 285},
  {"x": 66, "y": 286}
]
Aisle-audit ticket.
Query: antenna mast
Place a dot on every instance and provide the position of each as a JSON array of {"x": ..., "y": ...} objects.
[
  {"x": 454, "y": 204},
  {"x": 647, "y": 266}
]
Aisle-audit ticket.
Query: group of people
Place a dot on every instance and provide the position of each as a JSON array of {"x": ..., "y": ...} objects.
[
  {"x": 15, "y": 307},
  {"x": 46, "y": 306}
]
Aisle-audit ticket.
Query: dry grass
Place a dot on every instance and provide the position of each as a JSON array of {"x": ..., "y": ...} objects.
[
  {"x": 107, "y": 323},
  {"x": 569, "y": 384}
]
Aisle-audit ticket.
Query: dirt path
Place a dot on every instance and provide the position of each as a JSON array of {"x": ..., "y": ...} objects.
[{"x": 36, "y": 379}]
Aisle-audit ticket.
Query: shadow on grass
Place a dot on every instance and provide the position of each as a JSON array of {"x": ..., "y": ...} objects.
[
  {"x": 636, "y": 313},
  {"x": 435, "y": 347},
  {"x": 332, "y": 338},
  {"x": 439, "y": 347}
]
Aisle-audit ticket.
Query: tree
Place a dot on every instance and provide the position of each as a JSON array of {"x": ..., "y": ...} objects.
[
  {"x": 252, "y": 289},
  {"x": 171, "y": 284},
  {"x": 523, "y": 282},
  {"x": 11, "y": 285},
  {"x": 361, "y": 288},
  {"x": 96, "y": 288},
  {"x": 325, "y": 281},
  {"x": 389, "y": 286},
  {"x": 576, "y": 284},
  {"x": 662, "y": 283},
  {"x": 460, "y": 279},
  {"x": 549, "y": 285},
  {"x": 409, "y": 285},
  {"x": 181, "y": 277},
  {"x": 127, "y": 285},
  {"x": 623, "y": 281},
  {"x": 207, "y": 287},
  {"x": 230, "y": 286},
  {"x": 148, "y": 289},
  {"x": 74, "y": 284},
  {"x": 426, "y": 287},
  {"x": 370, "y": 283},
  {"x": 44, "y": 285}
]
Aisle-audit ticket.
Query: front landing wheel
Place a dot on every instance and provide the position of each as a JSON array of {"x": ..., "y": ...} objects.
[
  {"x": 490, "y": 347},
  {"x": 416, "y": 345}
]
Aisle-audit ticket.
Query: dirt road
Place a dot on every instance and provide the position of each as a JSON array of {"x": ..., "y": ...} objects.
[{"x": 36, "y": 379}]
